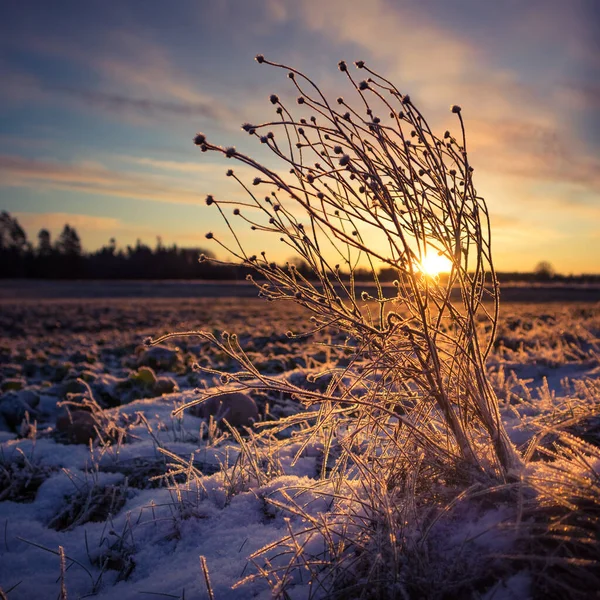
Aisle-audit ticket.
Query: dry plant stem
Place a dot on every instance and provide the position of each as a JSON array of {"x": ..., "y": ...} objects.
[
  {"x": 209, "y": 589},
  {"x": 63, "y": 584}
]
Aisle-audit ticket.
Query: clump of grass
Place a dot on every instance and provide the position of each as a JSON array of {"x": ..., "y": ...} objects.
[
  {"x": 21, "y": 477},
  {"x": 92, "y": 502},
  {"x": 107, "y": 430}
]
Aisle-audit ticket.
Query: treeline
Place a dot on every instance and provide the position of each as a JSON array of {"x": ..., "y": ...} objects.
[{"x": 64, "y": 258}]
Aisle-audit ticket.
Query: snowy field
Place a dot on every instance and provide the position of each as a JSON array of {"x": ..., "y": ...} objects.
[{"x": 132, "y": 496}]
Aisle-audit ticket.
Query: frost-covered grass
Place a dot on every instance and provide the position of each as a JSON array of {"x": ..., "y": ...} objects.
[{"x": 136, "y": 508}]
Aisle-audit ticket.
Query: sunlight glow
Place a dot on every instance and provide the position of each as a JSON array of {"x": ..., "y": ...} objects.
[{"x": 433, "y": 264}]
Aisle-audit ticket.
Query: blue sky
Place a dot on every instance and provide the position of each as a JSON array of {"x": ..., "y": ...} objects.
[{"x": 100, "y": 101}]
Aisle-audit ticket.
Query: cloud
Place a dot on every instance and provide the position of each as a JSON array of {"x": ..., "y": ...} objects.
[
  {"x": 395, "y": 33},
  {"x": 91, "y": 178},
  {"x": 146, "y": 107},
  {"x": 149, "y": 84},
  {"x": 55, "y": 221},
  {"x": 525, "y": 149},
  {"x": 27, "y": 89},
  {"x": 171, "y": 165}
]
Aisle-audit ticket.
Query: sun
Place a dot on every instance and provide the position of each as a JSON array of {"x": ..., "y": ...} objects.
[{"x": 433, "y": 264}]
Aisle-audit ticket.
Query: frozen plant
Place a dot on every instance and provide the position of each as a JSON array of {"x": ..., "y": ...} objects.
[
  {"x": 371, "y": 185},
  {"x": 408, "y": 415}
]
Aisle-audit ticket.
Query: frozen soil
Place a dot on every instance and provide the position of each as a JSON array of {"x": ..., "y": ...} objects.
[{"x": 92, "y": 460}]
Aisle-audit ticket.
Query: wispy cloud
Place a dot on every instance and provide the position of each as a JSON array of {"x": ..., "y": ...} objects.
[
  {"x": 398, "y": 34},
  {"x": 91, "y": 178},
  {"x": 23, "y": 89},
  {"x": 523, "y": 149},
  {"x": 54, "y": 221},
  {"x": 169, "y": 182},
  {"x": 149, "y": 84},
  {"x": 152, "y": 108}
]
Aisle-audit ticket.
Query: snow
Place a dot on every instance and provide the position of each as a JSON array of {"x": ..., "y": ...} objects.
[{"x": 153, "y": 541}]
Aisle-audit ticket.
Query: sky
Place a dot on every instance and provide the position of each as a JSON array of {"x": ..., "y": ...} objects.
[{"x": 99, "y": 103}]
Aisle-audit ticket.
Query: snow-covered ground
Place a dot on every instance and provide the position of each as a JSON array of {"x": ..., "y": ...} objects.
[{"x": 135, "y": 508}]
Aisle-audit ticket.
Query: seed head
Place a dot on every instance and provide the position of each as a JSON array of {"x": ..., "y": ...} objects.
[
  {"x": 340, "y": 100},
  {"x": 274, "y": 98},
  {"x": 229, "y": 152},
  {"x": 360, "y": 64},
  {"x": 455, "y": 109},
  {"x": 256, "y": 181},
  {"x": 342, "y": 66},
  {"x": 363, "y": 85},
  {"x": 229, "y": 172},
  {"x": 259, "y": 59},
  {"x": 209, "y": 200},
  {"x": 209, "y": 236},
  {"x": 337, "y": 149},
  {"x": 264, "y": 139},
  {"x": 300, "y": 100},
  {"x": 406, "y": 100},
  {"x": 344, "y": 160},
  {"x": 199, "y": 139},
  {"x": 236, "y": 211}
]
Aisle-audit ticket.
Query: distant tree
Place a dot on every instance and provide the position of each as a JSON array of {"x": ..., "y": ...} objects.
[
  {"x": 544, "y": 271},
  {"x": 44, "y": 247},
  {"x": 68, "y": 242},
  {"x": 12, "y": 235}
]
